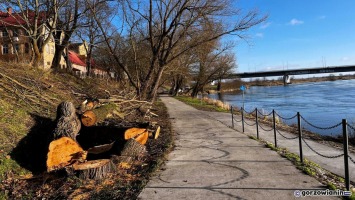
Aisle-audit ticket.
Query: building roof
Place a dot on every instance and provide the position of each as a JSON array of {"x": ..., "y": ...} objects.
[
  {"x": 75, "y": 59},
  {"x": 16, "y": 19}
]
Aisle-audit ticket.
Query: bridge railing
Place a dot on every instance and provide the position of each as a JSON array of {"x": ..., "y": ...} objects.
[{"x": 255, "y": 115}]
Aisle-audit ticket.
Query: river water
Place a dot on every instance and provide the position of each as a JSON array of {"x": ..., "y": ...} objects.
[{"x": 322, "y": 104}]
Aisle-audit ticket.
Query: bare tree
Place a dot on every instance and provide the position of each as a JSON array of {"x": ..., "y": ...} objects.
[
  {"x": 167, "y": 29},
  {"x": 177, "y": 26},
  {"x": 213, "y": 62},
  {"x": 90, "y": 32}
]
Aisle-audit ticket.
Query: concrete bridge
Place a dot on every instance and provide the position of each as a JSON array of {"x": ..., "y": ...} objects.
[{"x": 287, "y": 73}]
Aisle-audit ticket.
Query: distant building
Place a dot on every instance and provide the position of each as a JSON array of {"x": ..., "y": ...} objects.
[
  {"x": 78, "y": 59},
  {"x": 15, "y": 45}
]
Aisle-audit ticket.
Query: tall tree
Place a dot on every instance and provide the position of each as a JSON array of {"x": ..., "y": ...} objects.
[
  {"x": 177, "y": 26},
  {"x": 167, "y": 29}
]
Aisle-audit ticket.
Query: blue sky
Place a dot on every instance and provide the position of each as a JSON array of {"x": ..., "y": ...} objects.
[{"x": 298, "y": 34}]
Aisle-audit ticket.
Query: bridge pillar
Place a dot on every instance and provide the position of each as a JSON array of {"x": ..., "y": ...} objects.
[{"x": 287, "y": 79}]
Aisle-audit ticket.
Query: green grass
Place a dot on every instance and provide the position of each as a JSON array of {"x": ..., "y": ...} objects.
[
  {"x": 13, "y": 120},
  {"x": 200, "y": 105}
]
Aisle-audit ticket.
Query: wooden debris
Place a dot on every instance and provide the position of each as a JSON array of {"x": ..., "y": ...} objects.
[
  {"x": 139, "y": 134},
  {"x": 99, "y": 114},
  {"x": 93, "y": 169},
  {"x": 100, "y": 148},
  {"x": 63, "y": 152},
  {"x": 68, "y": 123},
  {"x": 156, "y": 133},
  {"x": 89, "y": 104},
  {"x": 88, "y": 118}
]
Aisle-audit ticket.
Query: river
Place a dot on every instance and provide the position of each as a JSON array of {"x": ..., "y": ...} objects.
[{"x": 323, "y": 104}]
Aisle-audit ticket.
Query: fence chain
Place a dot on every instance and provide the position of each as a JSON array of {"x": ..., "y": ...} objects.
[
  {"x": 249, "y": 124},
  {"x": 352, "y": 160},
  {"x": 286, "y": 118},
  {"x": 265, "y": 129},
  {"x": 337, "y": 156},
  {"x": 264, "y": 114},
  {"x": 249, "y": 112},
  {"x": 288, "y": 138},
  {"x": 322, "y": 128},
  {"x": 351, "y": 127},
  {"x": 237, "y": 120}
]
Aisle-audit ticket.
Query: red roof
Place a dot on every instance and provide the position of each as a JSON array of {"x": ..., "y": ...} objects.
[
  {"x": 75, "y": 59},
  {"x": 20, "y": 18}
]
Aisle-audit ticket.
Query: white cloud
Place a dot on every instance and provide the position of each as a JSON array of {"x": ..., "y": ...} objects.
[
  {"x": 295, "y": 22},
  {"x": 265, "y": 25},
  {"x": 260, "y": 35}
]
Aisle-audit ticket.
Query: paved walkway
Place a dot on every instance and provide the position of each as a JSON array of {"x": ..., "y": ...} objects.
[{"x": 212, "y": 161}]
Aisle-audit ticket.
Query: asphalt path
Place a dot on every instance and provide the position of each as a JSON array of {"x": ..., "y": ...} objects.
[{"x": 213, "y": 161}]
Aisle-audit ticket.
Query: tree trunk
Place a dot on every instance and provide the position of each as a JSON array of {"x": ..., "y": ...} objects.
[
  {"x": 63, "y": 152},
  {"x": 154, "y": 91},
  {"x": 59, "y": 49},
  {"x": 68, "y": 123},
  {"x": 93, "y": 169},
  {"x": 132, "y": 150},
  {"x": 219, "y": 85},
  {"x": 92, "y": 117}
]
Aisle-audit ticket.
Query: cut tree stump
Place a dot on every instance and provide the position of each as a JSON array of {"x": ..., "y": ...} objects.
[
  {"x": 139, "y": 134},
  {"x": 63, "y": 152},
  {"x": 88, "y": 118},
  {"x": 132, "y": 150},
  {"x": 67, "y": 122},
  {"x": 93, "y": 169}
]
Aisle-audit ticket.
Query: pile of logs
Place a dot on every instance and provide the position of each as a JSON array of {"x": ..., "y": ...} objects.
[{"x": 100, "y": 156}]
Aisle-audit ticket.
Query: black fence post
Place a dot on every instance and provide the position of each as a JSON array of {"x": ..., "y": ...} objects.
[
  {"x": 300, "y": 135},
  {"x": 256, "y": 123},
  {"x": 346, "y": 154},
  {"x": 232, "y": 116},
  {"x": 274, "y": 123},
  {"x": 242, "y": 109}
]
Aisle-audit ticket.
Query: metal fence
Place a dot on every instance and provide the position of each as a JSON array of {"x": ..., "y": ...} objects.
[{"x": 256, "y": 114}]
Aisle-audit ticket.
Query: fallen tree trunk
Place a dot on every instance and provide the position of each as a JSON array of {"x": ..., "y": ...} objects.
[
  {"x": 63, "y": 152},
  {"x": 67, "y": 122},
  {"x": 93, "y": 169},
  {"x": 92, "y": 117}
]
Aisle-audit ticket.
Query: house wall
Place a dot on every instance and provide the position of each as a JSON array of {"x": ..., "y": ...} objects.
[
  {"x": 24, "y": 48},
  {"x": 15, "y": 37}
]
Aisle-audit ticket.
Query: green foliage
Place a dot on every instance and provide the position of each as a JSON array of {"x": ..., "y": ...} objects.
[{"x": 331, "y": 186}]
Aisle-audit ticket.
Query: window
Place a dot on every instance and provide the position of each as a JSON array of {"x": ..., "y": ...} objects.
[
  {"x": 52, "y": 49},
  {"x": 5, "y": 33},
  {"x": 47, "y": 48},
  {"x": 5, "y": 49}
]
